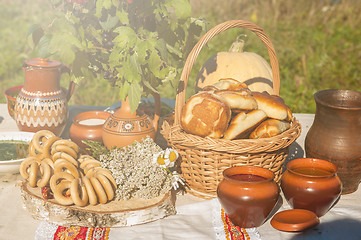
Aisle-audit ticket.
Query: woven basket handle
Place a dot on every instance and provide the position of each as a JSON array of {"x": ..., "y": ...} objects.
[{"x": 180, "y": 97}]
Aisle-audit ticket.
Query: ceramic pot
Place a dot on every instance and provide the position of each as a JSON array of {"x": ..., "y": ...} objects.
[
  {"x": 41, "y": 103},
  {"x": 311, "y": 184},
  {"x": 88, "y": 126},
  {"x": 248, "y": 195},
  {"x": 335, "y": 134},
  {"x": 11, "y": 94},
  {"x": 124, "y": 127}
]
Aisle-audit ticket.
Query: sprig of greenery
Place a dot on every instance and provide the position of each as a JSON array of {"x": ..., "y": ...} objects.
[{"x": 135, "y": 45}]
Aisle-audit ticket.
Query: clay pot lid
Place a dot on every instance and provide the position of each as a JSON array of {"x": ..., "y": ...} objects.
[
  {"x": 40, "y": 62},
  {"x": 294, "y": 220}
]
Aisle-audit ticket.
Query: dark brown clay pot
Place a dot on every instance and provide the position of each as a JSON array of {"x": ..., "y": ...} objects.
[
  {"x": 124, "y": 127},
  {"x": 335, "y": 134},
  {"x": 88, "y": 126},
  {"x": 311, "y": 184},
  {"x": 248, "y": 195},
  {"x": 41, "y": 103}
]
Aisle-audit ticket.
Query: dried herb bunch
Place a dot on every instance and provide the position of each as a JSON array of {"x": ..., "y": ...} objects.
[{"x": 135, "y": 173}]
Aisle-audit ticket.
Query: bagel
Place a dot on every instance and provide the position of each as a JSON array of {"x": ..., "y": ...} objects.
[
  {"x": 62, "y": 165},
  {"x": 59, "y": 194},
  {"x": 79, "y": 198}
]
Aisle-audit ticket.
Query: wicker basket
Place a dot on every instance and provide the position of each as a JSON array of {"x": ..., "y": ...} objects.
[{"x": 204, "y": 159}]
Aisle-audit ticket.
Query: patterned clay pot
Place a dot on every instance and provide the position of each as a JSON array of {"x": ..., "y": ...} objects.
[
  {"x": 311, "y": 184},
  {"x": 124, "y": 127},
  {"x": 88, "y": 126},
  {"x": 248, "y": 195},
  {"x": 42, "y": 104},
  {"x": 335, "y": 134}
]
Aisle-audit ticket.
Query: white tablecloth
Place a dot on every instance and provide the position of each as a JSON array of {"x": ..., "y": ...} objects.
[{"x": 194, "y": 218}]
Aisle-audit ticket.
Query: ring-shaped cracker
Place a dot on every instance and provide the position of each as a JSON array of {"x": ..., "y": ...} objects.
[
  {"x": 79, "y": 193},
  {"x": 46, "y": 173},
  {"x": 58, "y": 178},
  {"x": 66, "y": 149},
  {"x": 38, "y": 137},
  {"x": 63, "y": 155},
  {"x": 101, "y": 194},
  {"x": 107, "y": 186},
  {"x": 47, "y": 146},
  {"x": 59, "y": 193},
  {"x": 66, "y": 142},
  {"x": 25, "y": 165},
  {"x": 48, "y": 161},
  {"x": 61, "y": 164},
  {"x": 33, "y": 152},
  {"x": 85, "y": 157},
  {"x": 33, "y": 173},
  {"x": 93, "y": 199}
]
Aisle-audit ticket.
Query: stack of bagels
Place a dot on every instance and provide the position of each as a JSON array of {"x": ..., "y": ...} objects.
[
  {"x": 229, "y": 110},
  {"x": 56, "y": 164}
]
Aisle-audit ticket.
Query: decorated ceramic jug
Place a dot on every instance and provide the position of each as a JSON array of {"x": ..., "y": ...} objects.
[
  {"x": 124, "y": 127},
  {"x": 42, "y": 103}
]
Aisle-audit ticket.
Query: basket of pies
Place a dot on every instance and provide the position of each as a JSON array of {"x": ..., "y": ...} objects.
[{"x": 236, "y": 117}]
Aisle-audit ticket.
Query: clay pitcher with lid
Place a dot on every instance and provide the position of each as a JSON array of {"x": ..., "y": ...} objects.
[
  {"x": 124, "y": 127},
  {"x": 42, "y": 104}
]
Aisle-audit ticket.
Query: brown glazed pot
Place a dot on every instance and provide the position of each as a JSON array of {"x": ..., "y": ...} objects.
[
  {"x": 124, "y": 127},
  {"x": 248, "y": 195},
  {"x": 87, "y": 126},
  {"x": 41, "y": 103},
  {"x": 335, "y": 134},
  {"x": 11, "y": 94},
  {"x": 311, "y": 184}
]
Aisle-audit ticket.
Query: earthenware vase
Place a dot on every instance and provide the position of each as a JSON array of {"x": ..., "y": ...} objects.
[
  {"x": 124, "y": 127},
  {"x": 88, "y": 126},
  {"x": 335, "y": 134},
  {"x": 41, "y": 103},
  {"x": 248, "y": 195},
  {"x": 311, "y": 184}
]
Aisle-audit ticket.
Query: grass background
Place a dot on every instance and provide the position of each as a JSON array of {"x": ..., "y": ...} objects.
[{"x": 317, "y": 43}]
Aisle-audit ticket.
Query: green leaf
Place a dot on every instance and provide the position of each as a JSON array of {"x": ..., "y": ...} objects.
[
  {"x": 43, "y": 46},
  {"x": 107, "y": 4},
  {"x": 124, "y": 89},
  {"x": 109, "y": 23},
  {"x": 98, "y": 9},
  {"x": 122, "y": 16},
  {"x": 134, "y": 95},
  {"x": 126, "y": 36},
  {"x": 181, "y": 8}
]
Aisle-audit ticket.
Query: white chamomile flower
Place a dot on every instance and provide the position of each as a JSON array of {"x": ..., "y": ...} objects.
[
  {"x": 172, "y": 155},
  {"x": 176, "y": 179},
  {"x": 160, "y": 159}
]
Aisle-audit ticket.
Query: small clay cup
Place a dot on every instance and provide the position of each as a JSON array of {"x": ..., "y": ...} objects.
[
  {"x": 311, "y": 184},
  {"x": 248, "y": 195},
  {"x": 87, "y": 126}
]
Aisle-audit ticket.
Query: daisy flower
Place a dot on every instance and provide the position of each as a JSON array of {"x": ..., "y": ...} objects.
[
  {"x": 160, "y": 159},
  {"x": 172, "y": 155}
]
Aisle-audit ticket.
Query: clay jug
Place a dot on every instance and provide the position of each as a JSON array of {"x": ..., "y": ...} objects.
[
  {"x": 311, "y": 184},
  {"x": 248, "y": 195},
  {"x": 42, "y": 104},
  {"x": 124, "y": 127},
  {"x": 335, "y": 134}
]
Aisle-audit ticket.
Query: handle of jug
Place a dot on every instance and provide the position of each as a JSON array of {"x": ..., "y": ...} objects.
[{"x": 71, "y": 87}]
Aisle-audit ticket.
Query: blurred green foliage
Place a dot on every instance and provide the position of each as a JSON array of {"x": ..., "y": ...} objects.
[{"x": 317, "y": 43}]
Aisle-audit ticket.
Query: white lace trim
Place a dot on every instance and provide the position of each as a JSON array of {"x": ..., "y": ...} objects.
[{"x": 219, "y": 227}]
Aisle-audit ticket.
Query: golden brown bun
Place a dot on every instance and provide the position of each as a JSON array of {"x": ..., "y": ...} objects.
[
  {"x": 238, "y": 99},
  {"x": 270, "y": 128},
  {"x": 273, "y": 106},
  {"x": 230, "y": 84},
  {"x": 244, "y": 123},
  {"x": 205, "y": 114}
]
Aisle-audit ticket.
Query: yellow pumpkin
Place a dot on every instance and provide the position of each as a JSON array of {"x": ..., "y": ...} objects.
[{"x": 247, "y": 67}]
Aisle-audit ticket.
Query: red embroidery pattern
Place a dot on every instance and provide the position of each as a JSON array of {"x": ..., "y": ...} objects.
[
  {"x": 81, "y": 233},
  {"x": 233, "y": 232}
]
